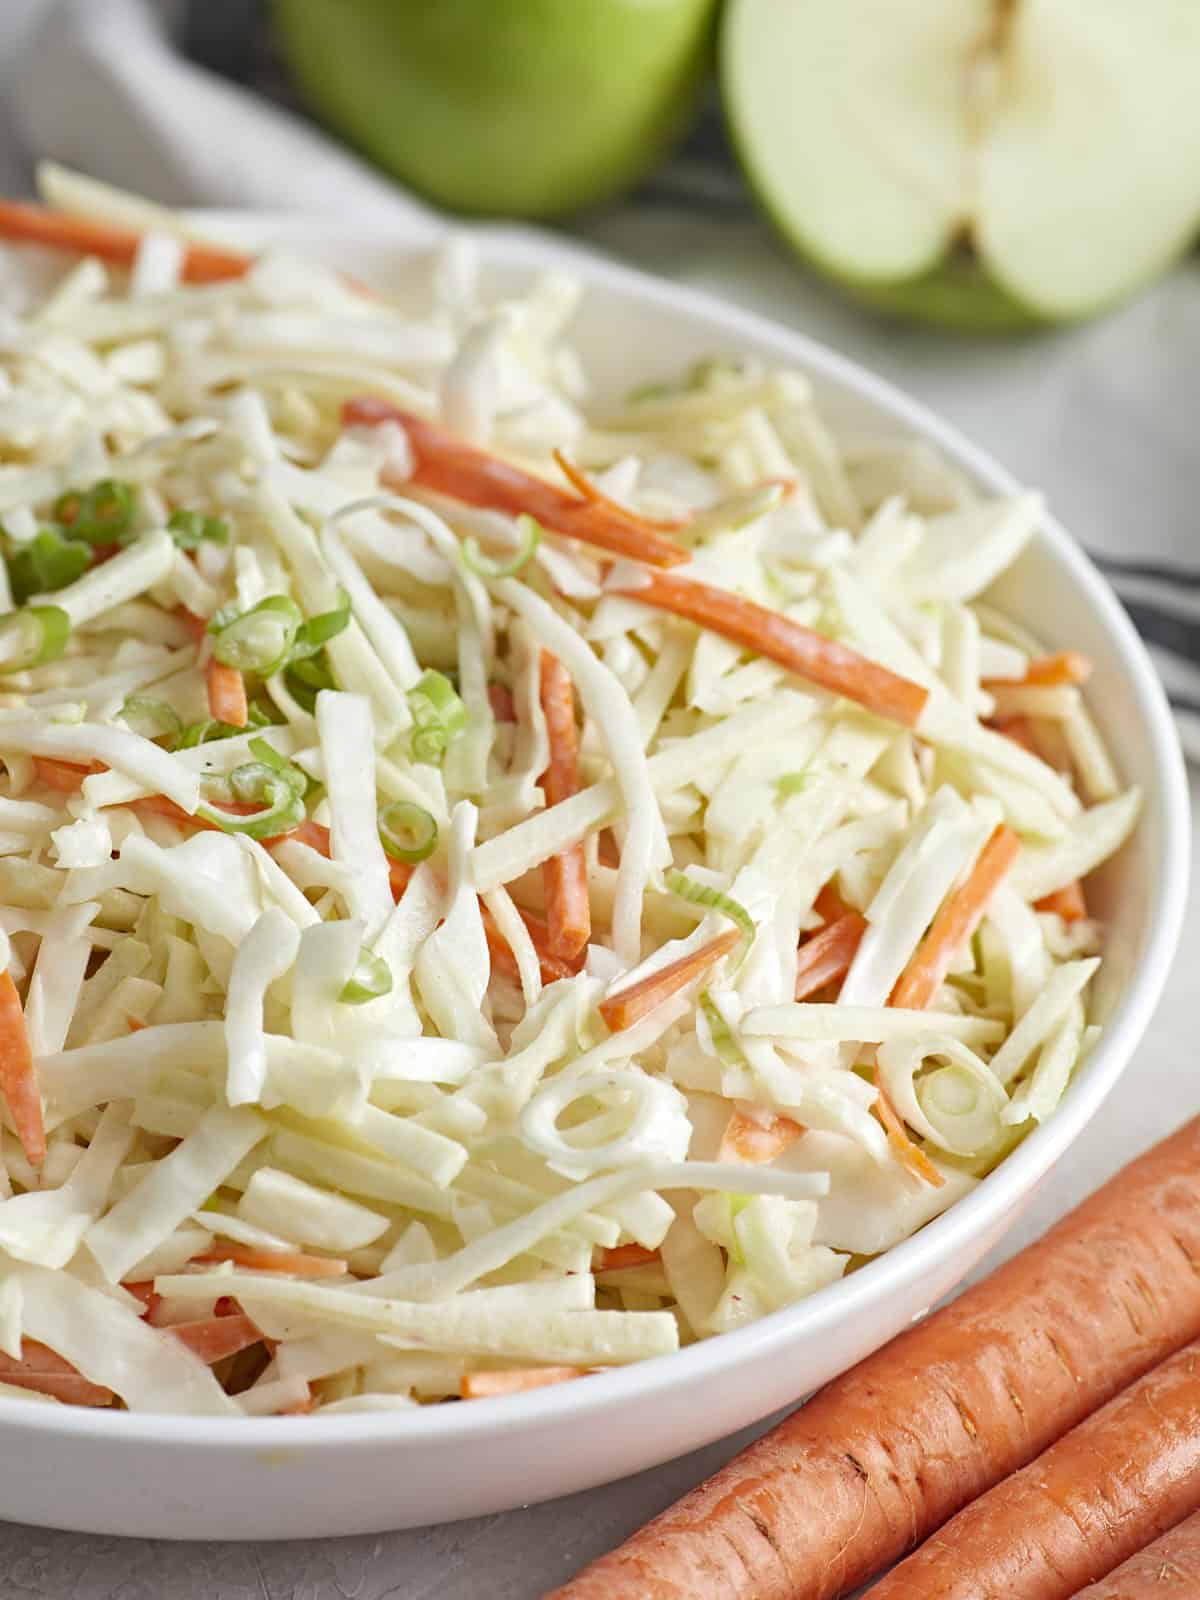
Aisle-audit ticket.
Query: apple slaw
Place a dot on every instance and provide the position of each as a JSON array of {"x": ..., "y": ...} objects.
[{"x": 496, "y": 880}]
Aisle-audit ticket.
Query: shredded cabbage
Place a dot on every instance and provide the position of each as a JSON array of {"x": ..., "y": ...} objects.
[{"x": 315, "y": 1003}]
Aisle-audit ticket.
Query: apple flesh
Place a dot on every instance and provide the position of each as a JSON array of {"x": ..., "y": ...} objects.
[
  {"x": 527, "y": 108},
  {"x": 982, "y": 162}
]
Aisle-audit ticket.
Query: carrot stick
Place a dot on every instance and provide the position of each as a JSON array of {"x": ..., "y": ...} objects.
[
  {"x": 486, "y": 1385},
  {"x": 955, "y": 923},
  {"x": 196, "y": 626},
  {"x": 65, "y": 777},
  {"x": 447, "y": 466},
  {"x": 18, "y": 1082},
  {"x": 826, "y": 955},
  {"x": 46, "y": 1371},
  {"x": 829, "y": 904},
  {"x": 226, "y": 694},
  {"x": 810, "y": 655},
  {"x": 887, "y": 1452},
  {"x": 587, "y": 490},
  {"x": 1020, "y": 731},
  {"x": 622, "y": 1256},
  {"x": 909, "y": 1154},
  {"x": 291, "y": 1261},
  {"x": 55, "y": 230},
  {"x": 568, "y": 911},
  {"x": 630, "y": 1005},
  {"x": 552, "y": 967},
  {"x": 1121, "y": 1477},
  {"x": 1051, "y": 672},
  {"x": 747, "y": 1139},
  {"x": 214, "y": 1338},
  {"x": 1069, "y": 902},
  {"x": 1168, "y": 1567},
  {"x": 501, "y": 701}
]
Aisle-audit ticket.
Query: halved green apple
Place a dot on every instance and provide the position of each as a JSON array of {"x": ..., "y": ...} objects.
[{"x": 985, "y": 163}]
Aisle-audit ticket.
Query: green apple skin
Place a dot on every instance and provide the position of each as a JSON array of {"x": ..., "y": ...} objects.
[
  {"x": 528, "y": 108},
  {"x": 957, "y": 294}
]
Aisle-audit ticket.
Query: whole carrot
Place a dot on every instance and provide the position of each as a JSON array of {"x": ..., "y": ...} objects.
[
  {"x": 886, "y": 1453},
  {"x": 1121, "y": 1477},
  {"x": 1168, "y": 1567}
]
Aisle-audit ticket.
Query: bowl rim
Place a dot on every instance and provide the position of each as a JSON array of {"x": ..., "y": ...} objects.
[{"x": 1015, "y": 1177}]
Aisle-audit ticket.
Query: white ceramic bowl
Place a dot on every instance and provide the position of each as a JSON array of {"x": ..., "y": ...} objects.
[{"x": 182, "y": 1478}]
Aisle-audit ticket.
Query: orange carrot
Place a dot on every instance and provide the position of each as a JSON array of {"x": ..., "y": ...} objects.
[
  {"x": 1121, "y": 1477},
  {"x": 1020, "y": 731},
  {"x": 46, "y": 1371},
  {"x": 146, "y": 1293},
  {"x": 214, "y": 1338},
  {"x": 887, "y": 1452},
  {"x": 622, "y": 1256},
  {"x": 587, "y": 490},
  {"x": 134, "y": 1024},
  {"x": 486, "y": 1385},
  {"x": 65, "y": 777},
  {"x": 501, "y": 701},
  {"x": 568, "y": 911},
  {"x": 826, "y": 955},
  {"x": 196, "y": 626},
  {"x": 749, "y": 1139},
  {"x": 1170, "y": 1567},
  {"x": 18, "y": 1083},
  {"x": 911, "y": 1156},
  {"x": 1069, "y": 902},
  {"x": 450, "y": 467},
  {"x": 960, "y": 915},
  {"x": 829, "y": 904},
  {"x": 85, "y": 236},
  {"x": 801, "y": 650},
  {"x": 226, "y": 694},
  {"x": 552, "y": 967},
  {"x": 1063, "y": 668},
  {"x": 630, "y": 1005},
  {"x": 294, "y": 1262}
]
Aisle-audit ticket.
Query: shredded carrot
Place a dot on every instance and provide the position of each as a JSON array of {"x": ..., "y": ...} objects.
[
  {"x": 46, "y": 1371},
  {"x": 801, "y": 650},
  {"x": 214, "y": 1338},
  {"x": 291, "y": 1261},
  {"x": 584, "y": 486},
  {"x": 912, "y": 1157},
  {"x": 134, "y": 1024},
  {"x": 302, "y": 1407},
  {"x": 226, "y": 694},
  {"x": 501, "y": 701},
  {"x": 1069, "y": 902},
  {"x": 486, "y": 1385},
  {"x": 630, "y": 1005},
  {"x": 960, "y": 915},
  {"x": 63, "y": 776},
  {"x": 552, "y": 967},
  {"x": 568, "y": 911},
  {"x": 147, "y": 1294},
  {"x": 448, "y": 466},
  {"x": 826, "y": 955},
  {"x": 18, "y": 1083},
  {"x": 85, "y": 236},
  {"x": 1064, "y": 668},
  {"x": 196, "y": 626},
  {"x": 751, "y": 1140},
  {"x": 622, "y": 1256},
  {"x": 1020, "y": 731},
  {"x": 829, "y": 904}
]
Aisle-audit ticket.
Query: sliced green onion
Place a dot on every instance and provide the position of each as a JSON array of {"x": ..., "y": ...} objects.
[
  {"x": 192, "y": 528},
  {"x": 256, "y": 782},
  {"x": 206, "y": 732},
  {"x": 33, "y": 636},
  {"x": 483, "y": 566},
  {"x": 408, "y": 832},
  {"x": 48, "y": 562},
  {"x": 651, "y": 391},
  {"x": 314, "y": 634},
  {"x": 701, "y": 894},
  {"x": 259, "y": 640},
  {"x": 438, "y": 714},
  {"x": 305, "y": 680},
  {"x": 713, "y": 370},
  {"x": 270, "y": 757},
  {"x": 372, "y": 978},
  {"x": 102, "y": 514},
  {"x": 153, "y": 719},
  {"x": 722, "y": 1034}
]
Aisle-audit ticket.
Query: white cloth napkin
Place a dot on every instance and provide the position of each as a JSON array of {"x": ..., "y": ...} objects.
[{"x": 1101, "y": 417}]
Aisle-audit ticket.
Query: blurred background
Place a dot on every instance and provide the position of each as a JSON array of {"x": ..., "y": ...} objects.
[{"x": 993, "y": 203}]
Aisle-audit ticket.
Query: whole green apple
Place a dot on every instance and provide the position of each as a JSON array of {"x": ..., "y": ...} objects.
[{"x": 518, "y": 107}]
